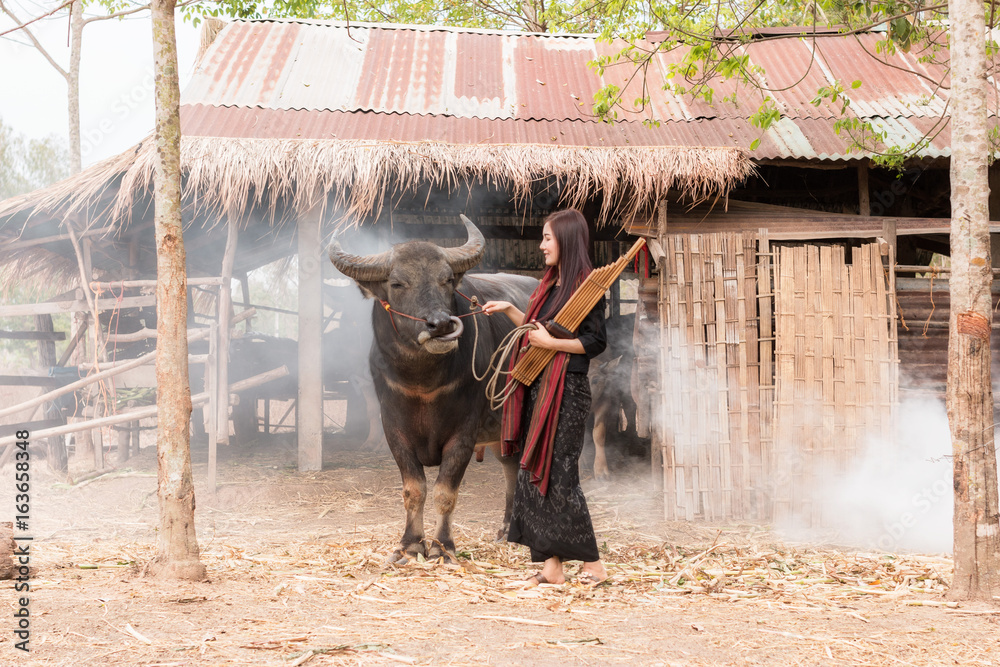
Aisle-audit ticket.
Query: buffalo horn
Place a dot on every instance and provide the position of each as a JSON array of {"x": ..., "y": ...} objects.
[
  {"x": 370, "y": 268},
  {"x": 465, "y": 257}
]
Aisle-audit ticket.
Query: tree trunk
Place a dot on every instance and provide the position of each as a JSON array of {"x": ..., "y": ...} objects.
[
  {"x": 73, "y": 87},
  {"x": 177, "y": 547},
  {"x": 970, "y": 392}
]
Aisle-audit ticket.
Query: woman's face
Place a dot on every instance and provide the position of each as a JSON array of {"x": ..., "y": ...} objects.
[{"x": 549, "y": 246}]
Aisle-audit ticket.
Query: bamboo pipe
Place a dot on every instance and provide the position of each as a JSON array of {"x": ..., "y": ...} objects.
[{"x": 583, "y": 300}]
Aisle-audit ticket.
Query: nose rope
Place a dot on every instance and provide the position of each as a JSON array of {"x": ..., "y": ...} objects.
[{"x": 392, "y": 311}]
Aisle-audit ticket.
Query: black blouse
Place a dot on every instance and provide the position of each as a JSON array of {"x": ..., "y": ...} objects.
[{"x": 591, "y": 334}]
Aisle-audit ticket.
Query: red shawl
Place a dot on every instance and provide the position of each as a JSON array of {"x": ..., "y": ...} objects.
[{"x": 537, "y": 455}]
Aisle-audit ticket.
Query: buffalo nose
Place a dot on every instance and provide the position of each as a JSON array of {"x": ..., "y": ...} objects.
[{"x": 439, "y": 324}]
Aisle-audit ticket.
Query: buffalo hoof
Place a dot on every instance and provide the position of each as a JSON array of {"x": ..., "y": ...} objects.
[
  {"x": 436, "y": 550},
  {"x": 402, "y": 556},
  {"x": 397, "y": 558},
  {"x": 501, "y": 534}
]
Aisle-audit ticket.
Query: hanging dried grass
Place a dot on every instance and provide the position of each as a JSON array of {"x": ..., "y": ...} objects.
[{"x": 227, "y": 177}]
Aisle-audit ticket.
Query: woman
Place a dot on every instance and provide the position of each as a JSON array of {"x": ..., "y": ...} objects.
[{"x": 545, "y": 422}]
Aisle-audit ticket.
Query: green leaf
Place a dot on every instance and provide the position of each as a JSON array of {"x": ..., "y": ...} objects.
[
  {"x": 856, "y": 84},
  {"x": 754, "y": 144}
]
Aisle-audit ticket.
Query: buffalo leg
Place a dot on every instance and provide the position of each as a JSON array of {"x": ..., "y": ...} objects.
[
  {"x": 453, "y": 464},
  {"x": 414, "y": 495},
  {"x": 510, "y": 467},
  {"x": 601, "y": 471}
]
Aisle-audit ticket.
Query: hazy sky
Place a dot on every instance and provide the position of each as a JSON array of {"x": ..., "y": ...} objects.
[{"x": 116, "y": 79}]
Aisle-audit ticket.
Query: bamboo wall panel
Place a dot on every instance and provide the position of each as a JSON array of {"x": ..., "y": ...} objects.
[
  {"x": 836, "y": 369},
  {"x": 710, "y": 388}
]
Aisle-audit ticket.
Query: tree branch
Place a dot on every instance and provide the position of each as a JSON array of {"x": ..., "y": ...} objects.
[
  {"x": 134, "y": 10},
  {"x": 31, "y": 36}
]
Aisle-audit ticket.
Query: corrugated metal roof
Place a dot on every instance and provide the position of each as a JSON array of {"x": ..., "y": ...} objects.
[
  {"x": 323, "y": 80},
  {"x": 787, "y": 139}
]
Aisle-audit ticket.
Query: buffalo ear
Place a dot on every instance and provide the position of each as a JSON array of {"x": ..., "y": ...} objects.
[{"x": 372, "y": 290}]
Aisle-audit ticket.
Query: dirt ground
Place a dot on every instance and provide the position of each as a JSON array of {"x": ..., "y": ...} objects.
[{"x": 298, "y": 576}]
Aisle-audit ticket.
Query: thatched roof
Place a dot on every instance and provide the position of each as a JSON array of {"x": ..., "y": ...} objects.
[
  {"x": 225, "y": 176},
  {"x": 265, "y": 135}
]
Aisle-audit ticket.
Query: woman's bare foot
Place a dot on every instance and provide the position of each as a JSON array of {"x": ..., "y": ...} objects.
[
  {"x": 552, "y": 573},
  {"x": 593, "y": 573}
]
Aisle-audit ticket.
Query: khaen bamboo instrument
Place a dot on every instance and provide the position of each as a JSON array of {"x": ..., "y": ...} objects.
[{"x": 534, "y": 360}]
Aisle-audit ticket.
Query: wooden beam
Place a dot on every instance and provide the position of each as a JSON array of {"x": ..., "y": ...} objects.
[
  {"x": 30, "y": 381},
  {"x": 83, "y": 382},
  {"x": 29, "y": 243},
  {"x": 11, "y": 429},
  {"x": 79, "y": 305},
  {"x": 120, "y": 284},
  {"x": 33, "y": 335},
  {"x": 111, "y": 371},
  {"x": 68, "y": 352},
  {"x": 310, "y": 391},
  {"x": 149, "y": 411}
]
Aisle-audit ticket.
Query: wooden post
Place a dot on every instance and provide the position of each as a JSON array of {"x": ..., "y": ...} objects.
[
  {"x": 245, "y": 290},
  {"x": 84, "y": 451},
  {"x": 889, "y": 234},
  {"x": 46, "y": 348},
  {"x": 56, "y": 455},
  {"x": 310, "y": 394},
  {"x": 658, "y": 450},
  {"x": 765, "y": 294},
  {"x": 98, "y": 437},
  {"x": 864, "y": 197},
  {"x": 123, "y": 444},
  {"x": 225, "y": 304},
  {"x": 212, "y": 411},
  {"x": 134, "y": 433}
]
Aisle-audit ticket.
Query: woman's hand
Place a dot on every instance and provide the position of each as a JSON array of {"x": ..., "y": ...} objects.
[
  {"x": 505, "y": 307},
  {"x": 491, "y": 307},
  {"x": 541, "y": 338}
]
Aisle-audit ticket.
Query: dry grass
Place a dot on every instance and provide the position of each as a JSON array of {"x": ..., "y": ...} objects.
[{"x": 298, "y": 573}]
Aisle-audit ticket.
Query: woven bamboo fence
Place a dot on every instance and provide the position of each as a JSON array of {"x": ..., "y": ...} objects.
[
  {"x": 836, "y": 374},
  {"x": 770, "y": 371},
  {"x": 714, "y": 405}
]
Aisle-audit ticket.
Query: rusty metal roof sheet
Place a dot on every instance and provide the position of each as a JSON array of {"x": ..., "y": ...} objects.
[{"x": 324, "y": 80}]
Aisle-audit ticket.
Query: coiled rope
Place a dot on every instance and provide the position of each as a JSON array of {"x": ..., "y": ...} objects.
[{"x": 495, "y": 369}]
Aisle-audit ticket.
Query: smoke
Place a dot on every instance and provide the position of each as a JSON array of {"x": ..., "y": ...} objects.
[{"x": 897, "y": 497}]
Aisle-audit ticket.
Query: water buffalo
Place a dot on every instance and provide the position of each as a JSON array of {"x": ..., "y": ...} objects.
[
  {"x": 612, "y": 406},
  {"x": 433, "y": 410}
]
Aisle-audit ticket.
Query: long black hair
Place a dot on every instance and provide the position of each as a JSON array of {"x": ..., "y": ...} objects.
[{"x": 572, "y": 235}]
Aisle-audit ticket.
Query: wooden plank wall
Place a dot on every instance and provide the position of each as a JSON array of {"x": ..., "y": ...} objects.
[
  {"x": 924, "y": 310},
  {"x": 836, "y": 369}
]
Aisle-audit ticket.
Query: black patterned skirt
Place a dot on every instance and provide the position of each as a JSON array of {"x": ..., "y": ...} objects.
[{"x": 558, "y": 523}]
